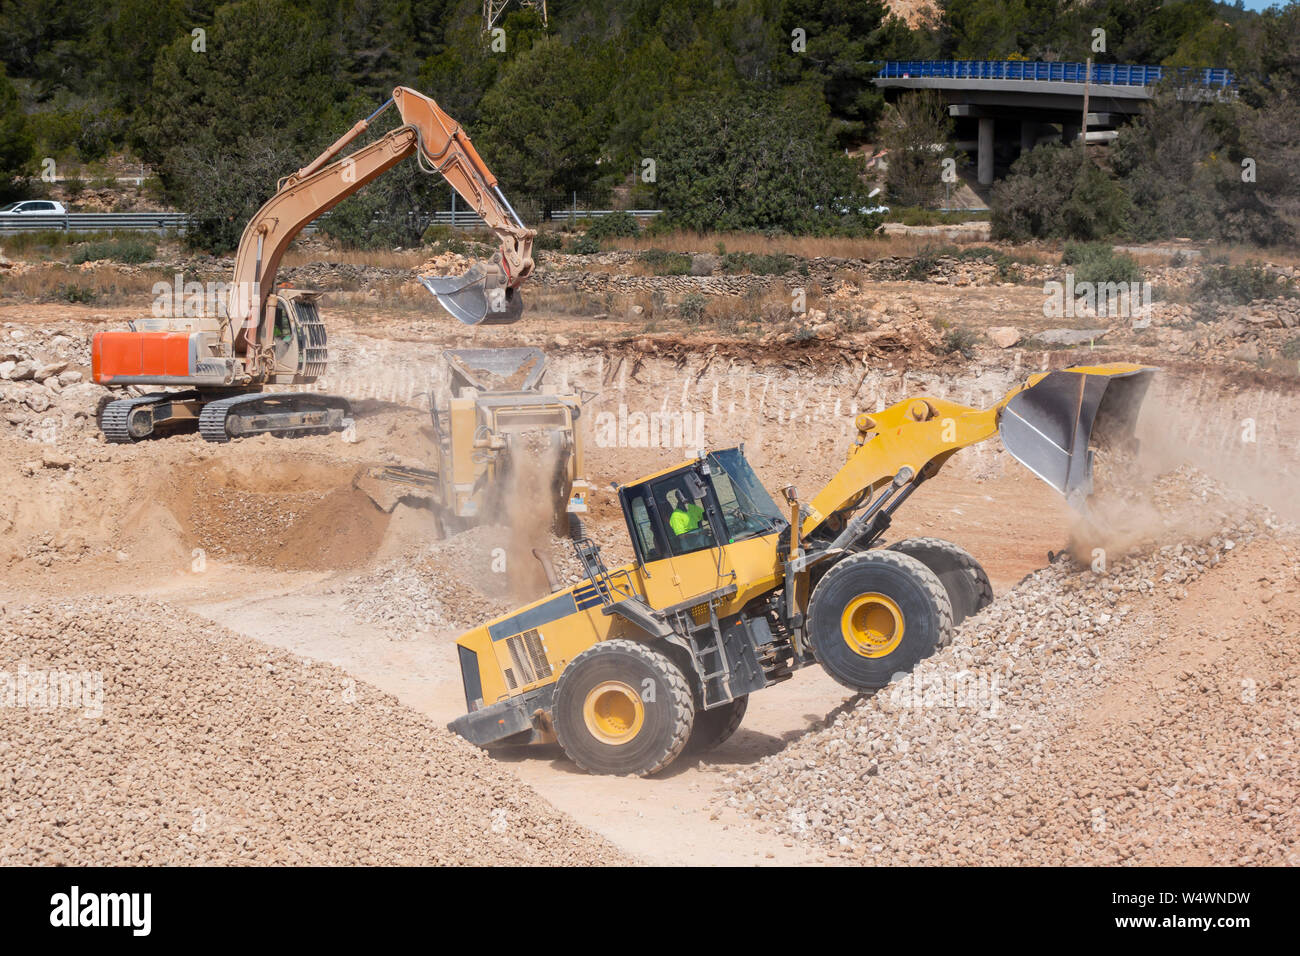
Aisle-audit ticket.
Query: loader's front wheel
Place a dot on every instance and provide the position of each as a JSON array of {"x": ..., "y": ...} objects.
[
  {"x": 622, "y": 708},
  {"x": 963, "y": 578},
  {"x": 714, "y": 727},
  {"x": 877, "y": 614}
]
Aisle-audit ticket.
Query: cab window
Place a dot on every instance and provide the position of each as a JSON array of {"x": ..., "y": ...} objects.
[
  {"x": 686, "y": 519},
  {"x": 643, "y": 525}
]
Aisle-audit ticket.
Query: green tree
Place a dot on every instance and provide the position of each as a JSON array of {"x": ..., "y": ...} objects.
[
  {"x": 1057, "y": 192},
  {"x": 224, "y": 123},
  {"x": 757, "y": 161},
  {"x": 16, "y": 145},
  {"x": 1167, "y": 160},
  {"x": 916, "y": 131},
  {"x": 541, "y": 121},
  {"x": 843, "y": 38}
]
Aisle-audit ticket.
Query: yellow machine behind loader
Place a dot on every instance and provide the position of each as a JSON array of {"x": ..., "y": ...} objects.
[
  {"x": 729, "y": 593},
  {"x": 492, "y": 416}
]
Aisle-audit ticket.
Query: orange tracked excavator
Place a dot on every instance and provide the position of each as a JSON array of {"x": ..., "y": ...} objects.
[{"x": 264, "y": 336}]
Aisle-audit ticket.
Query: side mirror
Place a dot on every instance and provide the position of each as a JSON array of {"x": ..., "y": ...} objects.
[{"x": 695, "y": 486}]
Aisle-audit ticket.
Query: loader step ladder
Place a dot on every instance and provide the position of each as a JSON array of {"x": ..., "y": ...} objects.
[
  {"x": 622, "y": 601},
  {"x": 594, "y": 566}
]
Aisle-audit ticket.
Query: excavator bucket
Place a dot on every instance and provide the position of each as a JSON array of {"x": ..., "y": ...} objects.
[
  {"x": 479, "y": 297},
  {"x": 1052, "y": 425}
]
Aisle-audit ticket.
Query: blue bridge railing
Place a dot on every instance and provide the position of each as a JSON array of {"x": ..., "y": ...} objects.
[{"x": 1107, "y": 74}]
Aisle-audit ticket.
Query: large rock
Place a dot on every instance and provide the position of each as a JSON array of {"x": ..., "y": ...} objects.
[
  {"x": 23, "y": 371},
  {"x": 1004, "y": 336},
  {"x": 703, "y": 264},
  {"x": 37, "y": 399},
  {"x": 48, "y": 370}
]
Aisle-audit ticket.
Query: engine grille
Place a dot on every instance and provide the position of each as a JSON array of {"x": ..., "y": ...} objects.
[{"x": 528, "y": 654}]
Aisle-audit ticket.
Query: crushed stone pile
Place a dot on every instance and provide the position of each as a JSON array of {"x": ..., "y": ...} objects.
[
  {"x": 180, "y": 742},
  {"x": 455, "y": 583},
  {"x": 45, "y": 392},
  {"x": 1138, "y": 710}
]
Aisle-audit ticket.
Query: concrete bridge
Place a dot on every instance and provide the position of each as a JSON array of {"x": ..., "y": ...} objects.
[{"x": 1013, "y": 105}]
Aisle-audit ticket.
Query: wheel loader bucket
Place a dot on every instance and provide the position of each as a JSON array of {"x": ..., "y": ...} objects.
[
  {"x": 1050, "y": 425},
  {"x": 479, "y": 297}
]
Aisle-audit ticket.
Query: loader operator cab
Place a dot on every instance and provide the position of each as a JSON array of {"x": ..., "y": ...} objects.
[{"x": 712, "y": 501}]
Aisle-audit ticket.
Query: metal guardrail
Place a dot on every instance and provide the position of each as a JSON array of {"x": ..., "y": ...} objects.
[
  {"x": 95, "y": 222},
  {"x": 176, "y": 221},
  {"x": 1105, "y": 74}
]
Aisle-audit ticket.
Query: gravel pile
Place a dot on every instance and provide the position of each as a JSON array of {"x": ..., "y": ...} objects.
[
  {"x": 1084, "y": 717},
  {"x": 176, "y": 741},
  {"x": 459, "y": 582}
]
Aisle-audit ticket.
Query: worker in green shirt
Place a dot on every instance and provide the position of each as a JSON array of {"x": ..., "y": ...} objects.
[{"x": 686, "y": 516}]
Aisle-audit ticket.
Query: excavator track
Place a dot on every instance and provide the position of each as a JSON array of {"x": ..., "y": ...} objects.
[
  {"x": 288, "y": 413},
  {"x": 115, "y": 418}
]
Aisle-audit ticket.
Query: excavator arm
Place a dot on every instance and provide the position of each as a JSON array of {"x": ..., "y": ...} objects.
[{"x": 440, "y": 145}]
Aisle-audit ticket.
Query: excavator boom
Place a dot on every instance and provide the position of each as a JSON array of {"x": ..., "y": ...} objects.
[{"x": 441, "y": 145}]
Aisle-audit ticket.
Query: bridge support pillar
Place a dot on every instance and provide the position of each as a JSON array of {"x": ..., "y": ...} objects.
[
  {"x": 1069, "y": 133},
  {"x": 1028, "y": 136},
  {"x": 985, "y": 156}
]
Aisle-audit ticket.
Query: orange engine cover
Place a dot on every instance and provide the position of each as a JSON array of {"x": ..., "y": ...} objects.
[{"x": 117, "y": 357}]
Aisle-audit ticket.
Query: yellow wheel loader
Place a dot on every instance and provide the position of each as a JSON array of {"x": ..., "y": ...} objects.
[{"x": 730, "y": 593}]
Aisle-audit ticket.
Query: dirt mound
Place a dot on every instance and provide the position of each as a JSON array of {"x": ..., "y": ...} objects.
[
  {"x": 165, "y": 739},
  {"x": 292, "y": 515},
  {"x": 1138, "y": 711}
]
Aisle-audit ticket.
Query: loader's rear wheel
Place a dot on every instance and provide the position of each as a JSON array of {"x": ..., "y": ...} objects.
[
  {"x": 622, "y": 708},
  {"x": 714, "y": 727},
  {"x": 877, "y": 614},
  {"x": 963, "y": 578}
]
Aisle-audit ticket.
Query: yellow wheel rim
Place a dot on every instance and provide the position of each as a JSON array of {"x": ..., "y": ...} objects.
[
  {"x": 872, "y": 625},
  {"x": 613, "y": 712}
]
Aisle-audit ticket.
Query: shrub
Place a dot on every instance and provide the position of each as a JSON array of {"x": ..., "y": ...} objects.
[
  {"x": 692, "y": 307},
  {"x": 1240, "y": 284},
  {"x": 616, "y": 225},
  {"x": 548, "y": 242},
  {"x": 585, "y": 245},
  {"x": 1098, "y": 262},
  {"x": 961, "y": 340},
  {"x": 664, "y": 263},
  {"x": 759, "y": 264},
  {"x": 130, "y": 251},
  {"x": 1057, "y": 193},
  {"x": 76, "y": 294},
  {"x": 437, "y": 232}
]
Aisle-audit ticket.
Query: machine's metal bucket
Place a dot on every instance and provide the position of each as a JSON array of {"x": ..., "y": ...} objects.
[
  {"x": 480, "y": 296},
  {"x": 1050, "y": 425}
]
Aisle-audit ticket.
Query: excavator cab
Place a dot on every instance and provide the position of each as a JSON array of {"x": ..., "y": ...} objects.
[{"x": 297, "y": 338}]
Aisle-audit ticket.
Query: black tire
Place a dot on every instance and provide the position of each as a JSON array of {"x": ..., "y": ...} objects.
[
  {"x": 714, "y": 727},
  {"x": 963, "y": 578},
  {"x": 645, "y": 693},
  {"x": 859, "y": 639}
]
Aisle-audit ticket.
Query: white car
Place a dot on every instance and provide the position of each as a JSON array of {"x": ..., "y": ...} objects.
[{"x": 34, "y": 207}]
